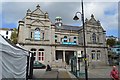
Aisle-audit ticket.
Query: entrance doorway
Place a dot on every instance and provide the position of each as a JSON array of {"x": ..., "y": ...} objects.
[
  {"x": 68, "y": 56},
  {"x": 59, "y": 56}
]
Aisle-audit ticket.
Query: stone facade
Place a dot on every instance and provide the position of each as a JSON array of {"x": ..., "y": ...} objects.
[{"x": 56, "y": 44}]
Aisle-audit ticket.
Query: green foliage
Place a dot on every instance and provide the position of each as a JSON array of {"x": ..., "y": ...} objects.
[
  {"x": 14, "y": 36},
  {"x": 118, "y": 42},
  {"x": 111, "y": 42}
]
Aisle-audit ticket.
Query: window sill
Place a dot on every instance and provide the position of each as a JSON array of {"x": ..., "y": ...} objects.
[{"x": 35, "y": 40}]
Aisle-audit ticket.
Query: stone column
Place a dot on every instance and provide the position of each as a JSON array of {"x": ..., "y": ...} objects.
[
  {"x": 63, "y": 56},
  {"x": 64, "y": 59}
]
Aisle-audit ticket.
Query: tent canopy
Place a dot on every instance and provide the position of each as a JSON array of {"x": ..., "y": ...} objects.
[{"x": 13, "y": 60}]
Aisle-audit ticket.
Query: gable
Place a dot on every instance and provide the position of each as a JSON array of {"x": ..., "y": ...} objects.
[
  {"x": 38, "y": 11},
  {"x": 93, "y": 21}
]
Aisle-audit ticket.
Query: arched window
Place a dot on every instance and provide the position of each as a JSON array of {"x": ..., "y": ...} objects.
[
  {"x": 65, "y": 38},
  {"x": 75, "y": 39},
  {"x": 93, "y": 56},
  {"x": 55, "y": 38},
  {"x": 37, "y": 34},
  {"x": 94, "y": 37},
  {"x": 41, "y": 55},
  {"x": 34, "y": 51}
]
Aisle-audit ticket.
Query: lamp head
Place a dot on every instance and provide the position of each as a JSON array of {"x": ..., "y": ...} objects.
[{"x": 75, "y": 17}]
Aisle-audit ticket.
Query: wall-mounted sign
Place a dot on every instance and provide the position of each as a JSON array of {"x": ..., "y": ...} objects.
[{"x": 69, "y": 43}]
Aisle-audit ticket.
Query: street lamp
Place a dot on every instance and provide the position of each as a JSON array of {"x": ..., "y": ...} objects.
[{"x": 84, "y": 43}]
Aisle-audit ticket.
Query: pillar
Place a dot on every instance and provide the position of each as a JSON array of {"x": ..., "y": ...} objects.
[{"x": 63, "y": 56}]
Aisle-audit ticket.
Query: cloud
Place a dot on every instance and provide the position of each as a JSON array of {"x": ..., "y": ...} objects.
[
  {"x": 12, "y": 12},
  {"x": 59, "y": 0}
]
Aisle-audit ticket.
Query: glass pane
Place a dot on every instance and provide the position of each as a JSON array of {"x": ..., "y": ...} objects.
[
  {"x": 39, "y": 54},
  {"x": 41, "y": 49},
  {"x": 42, "y": 54},
  {"x": 42, "y": 58},
  {"x": 34, "y": 54},
  {"x": 39, "y": 58}
]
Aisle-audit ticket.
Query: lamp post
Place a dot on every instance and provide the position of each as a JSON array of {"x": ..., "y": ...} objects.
[{"x": 84, "y": 43}]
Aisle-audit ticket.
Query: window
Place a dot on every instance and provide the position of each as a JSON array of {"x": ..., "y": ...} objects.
[
  {"x": 41, "y": 54},
  {"x": 65, "y": 38},
  {"x": 93, "y": 51},
  {"x": 37, "y": 34},
  {"x": 43, "y": 36},
  {"x": 31, "y": 34},
  {"x": 93, "y": 56},
  {"x": 98, "y": 50},
  {"x": 6, "y": 32},
  {"x": 118, "y": 49},
  {"x": 94, "y": 37},
  {"x": 75, "y": 40},
  {"x": 74, "y": 37},
  {"x": 34, "y": 52},
  {"x": 55, "y": 38},
  {"x": 7, "y": 37},
  {"x": 98, "y": 56},
  {"x": 69, "y": 39}
]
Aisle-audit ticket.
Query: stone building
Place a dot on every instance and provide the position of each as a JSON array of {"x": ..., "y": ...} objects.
[{"x": 56, "y": 44}]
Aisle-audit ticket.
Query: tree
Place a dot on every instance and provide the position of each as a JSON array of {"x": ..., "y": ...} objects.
[
  {"x": 14, "y": 36},
  {"x": 111, "y": 42},
  {"x": 118, "y": 42}
]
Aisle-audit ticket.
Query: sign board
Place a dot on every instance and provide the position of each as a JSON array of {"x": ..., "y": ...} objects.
[
  {"x": 79, "y": 54},
  {"x": 69, "y": 43}
]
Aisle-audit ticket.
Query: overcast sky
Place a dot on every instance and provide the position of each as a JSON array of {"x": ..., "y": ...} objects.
[{"x": 106, "y": 12}]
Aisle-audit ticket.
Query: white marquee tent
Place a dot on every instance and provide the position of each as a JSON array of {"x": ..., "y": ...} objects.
[{"x": 13, "y": 60}]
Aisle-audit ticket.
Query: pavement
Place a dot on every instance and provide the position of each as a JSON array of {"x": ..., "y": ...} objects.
[
  {"x": 54, "y": 74},
  {"x": 60, "y": 73},
  {"x": 100, "y": 72}
]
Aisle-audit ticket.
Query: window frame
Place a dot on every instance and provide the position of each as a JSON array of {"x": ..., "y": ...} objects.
[{"x": 41, "y": 55}]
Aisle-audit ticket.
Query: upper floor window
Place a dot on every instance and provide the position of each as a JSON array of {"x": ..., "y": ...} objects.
[
  {"x": 43, "y": 36},
  {"x": 65, "y": 38},
  {"x": 75, "y": 39},
  {"x": 7, "y": 37},
  {"x": 55, "y": 38},
  {"x": 75, "y": 42},
  {"x": 94, "y": 37},
  {"x": 37, "y": 34},
  {"x": 118, "y": 49},
  {"x": 6, "y": 32},
  {"x": 31, "y": 34}
]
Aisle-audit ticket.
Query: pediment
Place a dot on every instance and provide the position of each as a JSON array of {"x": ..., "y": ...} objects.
[
  {"x": 93, "y": 21},
  {"x": 38, "y": 11},
  {"x": 38, "y": 22}
]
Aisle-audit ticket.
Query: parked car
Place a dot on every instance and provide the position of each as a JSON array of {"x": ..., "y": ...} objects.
[{"x": 38, "y": 65}]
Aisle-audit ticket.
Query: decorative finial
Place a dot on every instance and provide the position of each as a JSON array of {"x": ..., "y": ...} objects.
[
  {"x": 86, "y": 20},
  {"x": 28, "y": 10},
  {"x": 38, "y": 6},
  {"x": 92, "y": 16},
  {"x": 98, "y": 22},
  {"x": 46, "y": 12}
]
